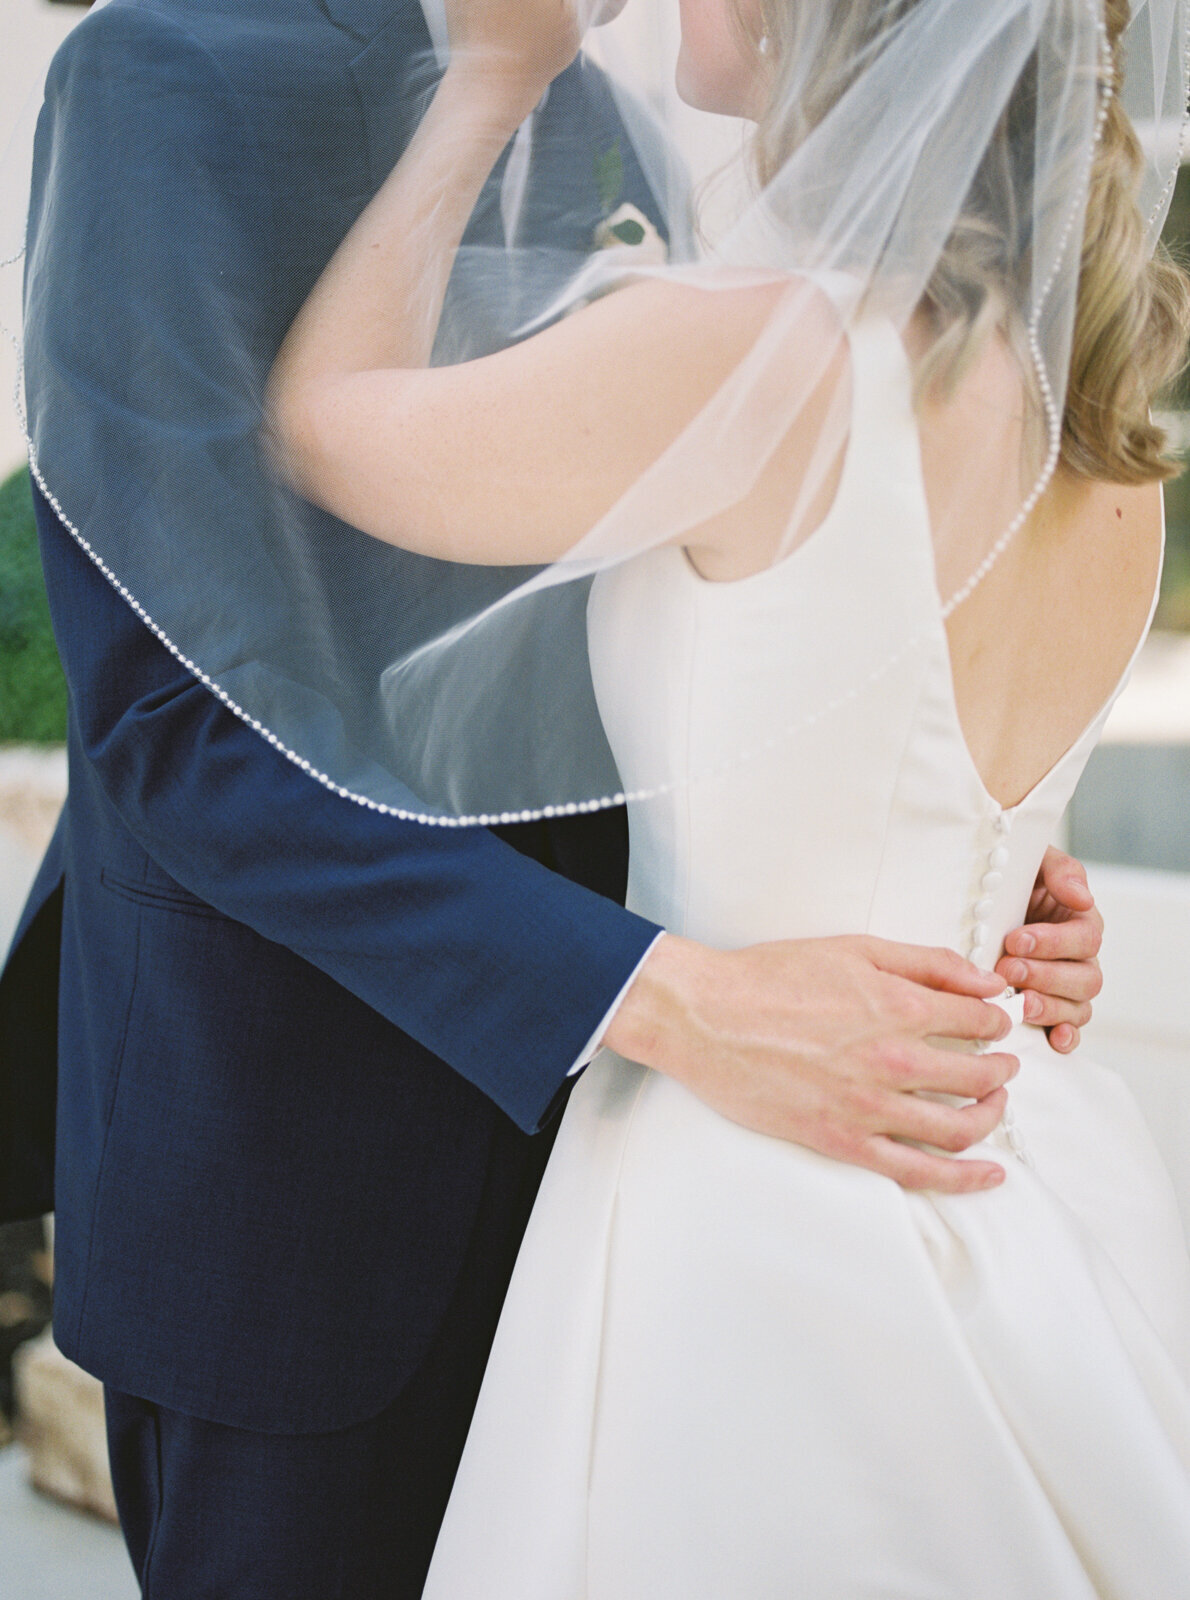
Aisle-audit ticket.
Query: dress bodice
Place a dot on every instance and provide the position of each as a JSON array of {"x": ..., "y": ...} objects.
[{"x": 871, "y": 818}]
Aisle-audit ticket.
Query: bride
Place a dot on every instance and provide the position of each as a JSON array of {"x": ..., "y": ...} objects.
[{"x": 840, "y": 485}]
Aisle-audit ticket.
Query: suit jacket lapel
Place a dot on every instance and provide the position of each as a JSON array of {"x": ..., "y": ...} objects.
[
  {"x": 393, "y": 74},
  {"x": 580, "y": 127},
  {"x": 365, "y": 18}
]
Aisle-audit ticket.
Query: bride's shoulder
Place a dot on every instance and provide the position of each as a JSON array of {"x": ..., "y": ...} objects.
[{"x": 1133, "y": 513}]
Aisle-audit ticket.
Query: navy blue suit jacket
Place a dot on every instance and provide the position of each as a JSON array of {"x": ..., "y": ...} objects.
[{"x": 290, "y": 1035}]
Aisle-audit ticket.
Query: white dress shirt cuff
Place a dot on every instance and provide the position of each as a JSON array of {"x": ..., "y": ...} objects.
[{"x": 596, "y": 1041}]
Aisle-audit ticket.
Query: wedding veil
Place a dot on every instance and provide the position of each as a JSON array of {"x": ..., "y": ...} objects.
[{"x": 931, "y": 163}]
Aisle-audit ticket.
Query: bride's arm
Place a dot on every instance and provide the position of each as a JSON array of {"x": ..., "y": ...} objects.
[{"x": 553, "y": 432}]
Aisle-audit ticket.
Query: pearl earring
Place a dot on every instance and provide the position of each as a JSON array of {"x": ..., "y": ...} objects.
[{"x": 765, "y": 45}]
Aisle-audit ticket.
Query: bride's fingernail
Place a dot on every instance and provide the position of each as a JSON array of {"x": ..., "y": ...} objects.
[
  {"x": 1017, "y": 974},
  {"x": 1025, "y": 944},
  {"x": 1033, "y": 1007}
]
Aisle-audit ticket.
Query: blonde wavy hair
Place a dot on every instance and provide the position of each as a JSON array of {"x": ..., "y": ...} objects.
[{"x": 1133, "y": 310}]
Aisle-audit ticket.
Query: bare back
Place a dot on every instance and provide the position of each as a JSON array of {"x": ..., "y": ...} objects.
[{"x": 1042, "y": 642}]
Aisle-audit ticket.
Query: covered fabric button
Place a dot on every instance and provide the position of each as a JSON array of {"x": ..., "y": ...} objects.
[
  {"x": 999, "y": 857},
  {"x": 983, "y": 909},
  {"x": 991, "y": 881}
]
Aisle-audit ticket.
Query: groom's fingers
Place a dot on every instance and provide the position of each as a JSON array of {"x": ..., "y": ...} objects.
[
  {"x": 918, "y": 1169},
  {"x": 933, "y": 967},
  {"x": 822, "y": 1042},
  {"x": 951, "y": 1128},
  {"x": 929, "y": 1015},
  {"x": 923, "y": 1068}
]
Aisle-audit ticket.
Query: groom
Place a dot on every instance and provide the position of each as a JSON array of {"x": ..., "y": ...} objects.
[{"x": 291, "y": 1051}]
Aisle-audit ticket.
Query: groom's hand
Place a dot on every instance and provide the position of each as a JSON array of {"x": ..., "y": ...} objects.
[
  {"x": 1054, "y": 957},
  {"x": 832, "y": 1044}
]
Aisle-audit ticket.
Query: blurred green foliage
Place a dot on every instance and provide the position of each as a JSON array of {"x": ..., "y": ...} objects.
[
  {"x": 32, "y": 688},
  {"x": 1174, "y": 611}
]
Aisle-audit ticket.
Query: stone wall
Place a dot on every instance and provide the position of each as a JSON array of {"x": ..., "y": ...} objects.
[
  {"x": 32, "y": 789},
  {"x": 61, "y": 1425}
]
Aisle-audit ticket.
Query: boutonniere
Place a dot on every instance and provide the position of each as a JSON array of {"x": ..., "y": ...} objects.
[
  {"x": 624, "y": 238},
  {"x": 623, "y": 227}
]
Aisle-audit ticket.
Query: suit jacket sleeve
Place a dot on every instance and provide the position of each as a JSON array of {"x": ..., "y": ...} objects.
[{"x": 498, "y": 966}]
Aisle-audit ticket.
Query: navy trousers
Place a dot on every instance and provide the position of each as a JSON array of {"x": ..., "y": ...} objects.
[{"x": 217, "y": 1513}]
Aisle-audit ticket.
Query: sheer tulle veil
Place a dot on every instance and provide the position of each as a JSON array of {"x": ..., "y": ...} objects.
[{"x": 929, "y": 162}]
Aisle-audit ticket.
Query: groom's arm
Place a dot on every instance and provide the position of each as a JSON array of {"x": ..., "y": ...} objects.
[{"x": 497, "y": 965}]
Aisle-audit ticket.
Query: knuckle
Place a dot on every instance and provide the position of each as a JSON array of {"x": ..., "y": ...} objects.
[
  {"x": 851, "y": 1148},
  {"x": 907, "y": 1167},
  {"x": 996, "y": 1023},
  {"x": 985, "y": 1119},
  {"x": 998, "y": 1070},
  {"x": 838, "y": 1140},
  {"x": 912, "y": 1010},
  {"x": 1043, "y": 1010},
  {"x": 862, "y": 1102},
  {"x": 956, "y": 1136},
  {"x": 968, "y": 1178},
  {"x": 987, "y": 1077},
  {"x": 897, "y": 1064},
  {"x": 917, "y": 1181},
  {"x": 948, "y": 1177}
]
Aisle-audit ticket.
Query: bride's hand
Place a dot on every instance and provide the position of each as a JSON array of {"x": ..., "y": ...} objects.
[{"x": 527, "y": 41}]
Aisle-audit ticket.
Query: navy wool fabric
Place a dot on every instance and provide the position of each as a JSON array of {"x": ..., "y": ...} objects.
[
  {"x": 214, "y": 1511},
  {"x": 296, "y": 1043}
]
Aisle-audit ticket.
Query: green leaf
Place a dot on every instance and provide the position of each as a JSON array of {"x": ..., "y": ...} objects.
[
  {"x": 609, "y": 178},
  {"x": 629, "y": 232},
  {"x": 32, "y": 689}
]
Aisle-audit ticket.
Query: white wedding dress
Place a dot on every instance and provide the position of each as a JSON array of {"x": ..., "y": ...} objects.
[{"x": 728, "y": 1368}]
